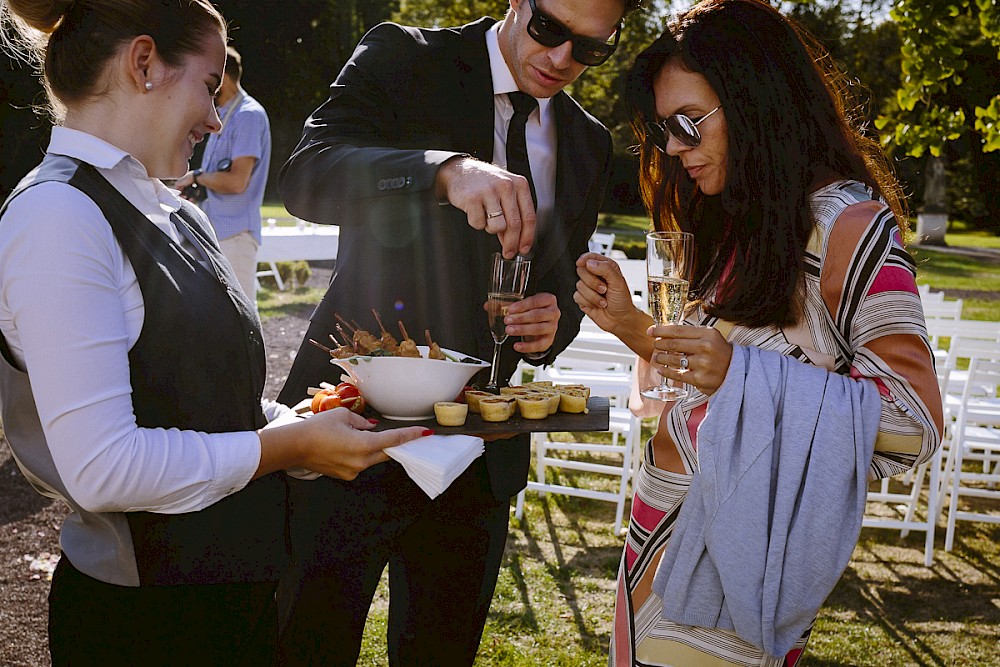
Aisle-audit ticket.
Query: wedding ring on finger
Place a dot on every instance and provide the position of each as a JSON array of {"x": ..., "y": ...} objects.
[
  {"x": 494, "y": 214},
  {"x": 684, "y": 362}
]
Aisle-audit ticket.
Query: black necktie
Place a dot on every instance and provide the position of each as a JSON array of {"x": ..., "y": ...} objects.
[{"x": 517, "y": 146}]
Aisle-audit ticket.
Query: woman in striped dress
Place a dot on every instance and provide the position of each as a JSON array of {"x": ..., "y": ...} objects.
[{"x": 798, "y": 225}]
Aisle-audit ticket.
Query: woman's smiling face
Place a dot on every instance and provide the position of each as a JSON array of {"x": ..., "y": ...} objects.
[
  {"x": 185, "y": 102},
  {"x": 678, "y": 91}
]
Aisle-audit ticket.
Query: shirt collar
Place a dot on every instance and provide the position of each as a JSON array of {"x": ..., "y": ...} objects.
[
  {"x": 503, "y": 80},
  {"x": 237, "y": 98},
  {"x": 103, "y": 155},
  {"x": 86, "y": 147}
]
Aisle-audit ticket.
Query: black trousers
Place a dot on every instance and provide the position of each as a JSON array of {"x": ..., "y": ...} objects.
[
  {"x": 94, "y": 623},
  {"x": 443, "y": 555}
]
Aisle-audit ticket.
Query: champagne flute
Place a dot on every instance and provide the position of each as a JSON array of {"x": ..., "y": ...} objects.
[
  {"x": 668, "y": 265},
  {"x": 507, "y": 285}
]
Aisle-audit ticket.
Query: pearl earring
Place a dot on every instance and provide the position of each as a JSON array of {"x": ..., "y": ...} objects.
[{"x": 149, "y": 85}]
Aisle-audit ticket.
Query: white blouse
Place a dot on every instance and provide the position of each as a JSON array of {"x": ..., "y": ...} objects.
[{"x": 71, "y": 309}]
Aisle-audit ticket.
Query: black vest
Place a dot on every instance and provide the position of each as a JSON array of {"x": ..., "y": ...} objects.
[{"x": 198, "y": 364}]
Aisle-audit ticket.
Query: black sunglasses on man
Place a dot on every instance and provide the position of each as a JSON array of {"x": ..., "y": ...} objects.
[{"x": 551, "y": 33}]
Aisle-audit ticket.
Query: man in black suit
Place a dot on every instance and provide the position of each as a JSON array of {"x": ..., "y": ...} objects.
[{"x": 410, "y": 156}]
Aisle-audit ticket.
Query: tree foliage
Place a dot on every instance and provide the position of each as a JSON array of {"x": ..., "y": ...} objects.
[
  {"x": 940, "y": 40},
  {"x": 292, "y": 50},
  {"x": 444, "y": 13}
]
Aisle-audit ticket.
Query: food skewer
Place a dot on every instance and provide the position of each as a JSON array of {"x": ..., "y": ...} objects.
[
  {"x": 350, "y": 340},
  {"x": 322, "y": 347},
  {"x": 407, "y": 348},
  {"x": 389, "y": 343},
  {"x": 346, "y": 324},
  {"x": 433, "y": 349},
  {"x": 342, "y": 351}
]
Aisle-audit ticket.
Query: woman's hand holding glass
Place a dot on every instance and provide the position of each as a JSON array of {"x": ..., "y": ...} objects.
[
  {"x": 705, "y": 349},
  {"x": 669, "y": 258}
]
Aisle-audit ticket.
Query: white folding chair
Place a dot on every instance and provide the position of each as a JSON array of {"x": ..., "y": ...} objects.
[
  {"x": 925, "y": 293},
  {"x": 976, "y": 438},
  {"x": 602, "y": 242},
  {"x": 906, "y": 502},
  {"x": 941, "y": 309},
  {"x": 607, "y": 369},
  {"x": 634, "y": 272},
  {"x": 968, "y": 339}
]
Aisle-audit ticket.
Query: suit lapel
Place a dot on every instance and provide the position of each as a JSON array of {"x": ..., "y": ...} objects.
[{"x": 475, "y": 80}]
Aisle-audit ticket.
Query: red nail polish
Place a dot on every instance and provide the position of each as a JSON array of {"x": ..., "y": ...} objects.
[
  {"x": 427, "y": 431},
  {"x": 372, "y": 421}
]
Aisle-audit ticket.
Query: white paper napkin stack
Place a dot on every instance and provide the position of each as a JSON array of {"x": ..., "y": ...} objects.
[{"x": 435, "y": 461}]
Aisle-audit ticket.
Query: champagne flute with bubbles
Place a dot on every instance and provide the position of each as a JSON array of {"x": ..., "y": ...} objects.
[
  {"x": 668, "y": 265},
  {"x": 507, "y": 285}
]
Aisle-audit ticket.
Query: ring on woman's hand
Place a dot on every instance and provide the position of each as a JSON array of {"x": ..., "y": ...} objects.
[
  {"x": 494, "y": 214},
  {"x": 684, "y": 362}
]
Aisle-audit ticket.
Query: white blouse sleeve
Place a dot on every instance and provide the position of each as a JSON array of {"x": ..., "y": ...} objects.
[{"x": 68, "y": 297}]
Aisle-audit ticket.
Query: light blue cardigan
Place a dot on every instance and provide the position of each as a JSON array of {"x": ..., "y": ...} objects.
[{"x": 774, "y": 511}]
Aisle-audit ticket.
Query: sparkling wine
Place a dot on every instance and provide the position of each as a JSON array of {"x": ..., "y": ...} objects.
[
  {"x": 667, "y": 297},
  {"x": 497, "y": 304}
]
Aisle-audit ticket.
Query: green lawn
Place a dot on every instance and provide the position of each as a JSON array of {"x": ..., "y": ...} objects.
[{"x": 277, "y": 211}]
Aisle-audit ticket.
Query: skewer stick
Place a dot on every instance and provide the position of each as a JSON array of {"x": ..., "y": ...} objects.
[
  {"x": 403, "y": 329},
  {"x": 346, "y": 324},
  {"x": 350, "y": 340},
  {"x": 336, "y": 340},
  {"x": 430, "y": 341},
  {"x": 321, "y": 346},
  {"x": 379, "y": 320}
]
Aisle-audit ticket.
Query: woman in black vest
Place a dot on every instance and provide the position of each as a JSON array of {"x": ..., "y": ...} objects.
[{"x": 131, "y": 363}]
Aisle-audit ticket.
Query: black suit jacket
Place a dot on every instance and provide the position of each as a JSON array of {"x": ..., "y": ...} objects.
[{"x": 406, "y": 101}]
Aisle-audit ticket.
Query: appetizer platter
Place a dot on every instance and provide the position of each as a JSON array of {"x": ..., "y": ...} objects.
[
  {"x": 400, "y": 383},
  {"x": 596, "y": 418}
]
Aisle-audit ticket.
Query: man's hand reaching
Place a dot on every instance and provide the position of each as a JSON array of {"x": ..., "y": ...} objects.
[{"x": 494, "y": 200}]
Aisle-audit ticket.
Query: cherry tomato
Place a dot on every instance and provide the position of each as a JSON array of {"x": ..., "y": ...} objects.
[
  {"x": 354, "y": 403},
  {"x": 330, "y": 402},
  {"x": 350, "y": 397},
  {"x": 318, "y": 399},
  {"x": 347, "y": 390}
]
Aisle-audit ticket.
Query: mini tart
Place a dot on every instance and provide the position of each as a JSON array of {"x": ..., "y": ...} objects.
[
  {"x": 572, "y": 400},
  {"x": 540, "y": 384},
  {"x": 448, "y": 413},
  {"x": 472, "y": 397},
  {"x": 496, "y": 408},
  {"x": 516, "y": 390},
  {"x": 553, "y": 397},
  {"x": 533, "y": 405},
  {"x": 582, "y": 387}
]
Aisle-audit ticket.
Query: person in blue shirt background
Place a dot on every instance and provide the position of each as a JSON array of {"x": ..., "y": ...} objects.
[{"x": 233, "y": 173}]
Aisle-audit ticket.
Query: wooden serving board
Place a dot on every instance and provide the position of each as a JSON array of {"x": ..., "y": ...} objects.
[{"x": 597, "y": 418}]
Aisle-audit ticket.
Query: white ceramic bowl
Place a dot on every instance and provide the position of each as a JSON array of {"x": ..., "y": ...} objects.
[{"x": 407, "y": 388}]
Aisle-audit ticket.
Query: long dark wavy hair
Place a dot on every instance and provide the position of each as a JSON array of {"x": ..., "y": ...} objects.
[{"x": 790, "y": 131}]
